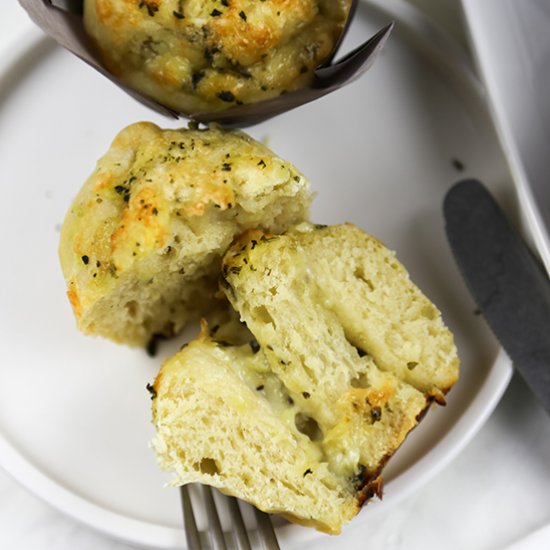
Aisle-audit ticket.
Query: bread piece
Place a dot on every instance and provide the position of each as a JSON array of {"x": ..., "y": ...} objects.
[
  {"x": 141, "y": 244},
  {"x": 356, "y": 283},
  {"x": 302, "y": 420},
  {"x": 223, "y": 418},
  {"x": 198, "y": 55}
]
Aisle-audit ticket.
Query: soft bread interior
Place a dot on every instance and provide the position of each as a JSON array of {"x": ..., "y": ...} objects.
[
  {"x": 304, "y": 381},
  {"x": 222, "y": 419}
]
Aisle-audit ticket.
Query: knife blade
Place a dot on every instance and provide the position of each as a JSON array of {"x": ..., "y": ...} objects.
[{"x": 509, "y": 285}]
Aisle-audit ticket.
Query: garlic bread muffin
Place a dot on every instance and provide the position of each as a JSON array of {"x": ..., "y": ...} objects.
[
  {"x": 301, "y": 419},
  {"x": 141, "y": 244},
  {"x": 199, "y": 55},
  {"x": 351, "y": 275}
]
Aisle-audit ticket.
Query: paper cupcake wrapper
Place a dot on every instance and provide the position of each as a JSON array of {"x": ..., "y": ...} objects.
[{"x": 62, "y": 20}]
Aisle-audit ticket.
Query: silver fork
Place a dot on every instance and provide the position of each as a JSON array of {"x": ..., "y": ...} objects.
[{"x": 214, "y": 538}]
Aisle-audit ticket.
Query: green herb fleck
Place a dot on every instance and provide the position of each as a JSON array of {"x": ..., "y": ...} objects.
[
  {"x": 227, "y": 96},
  {"x": 359, "y": 477},
  {"x": 124, "y": 191},
  {"x": 209, "y": 53},
  {"x": 151, "y": 390},
  {"x": 376, "y": 414},
  {"x": 196, "y": 78},
  {"x": 152, "y": 8}
]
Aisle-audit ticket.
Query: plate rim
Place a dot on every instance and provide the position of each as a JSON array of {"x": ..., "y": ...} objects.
[{"x": 147, "y": 534}]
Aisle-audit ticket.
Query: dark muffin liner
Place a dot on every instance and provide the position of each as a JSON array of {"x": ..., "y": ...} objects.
[{"x": 62, "y": 20}]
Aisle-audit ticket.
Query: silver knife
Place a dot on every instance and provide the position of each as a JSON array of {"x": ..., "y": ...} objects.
[
  {"x": 509, "y": 285},
  {"x": 511, "y": 42}
]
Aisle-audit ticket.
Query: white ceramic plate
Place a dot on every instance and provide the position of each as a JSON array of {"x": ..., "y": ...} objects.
[{"x": 74, "y": 412}]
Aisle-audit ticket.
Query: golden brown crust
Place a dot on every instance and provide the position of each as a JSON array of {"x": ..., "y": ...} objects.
[
  {"x": 197, "y": 55},
  {"x": 142, "y": 242},
  {"x": 345, "y": 405}
]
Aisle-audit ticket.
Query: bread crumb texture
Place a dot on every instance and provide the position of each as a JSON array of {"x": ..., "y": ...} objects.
[
  {"x": 142, "y": 243},
  {"x": 198, "y": 55},
  {"x": 343, "y": 358}
]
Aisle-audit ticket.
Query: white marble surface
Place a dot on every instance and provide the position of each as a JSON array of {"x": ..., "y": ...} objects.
[{"x": 493, "y": 494}]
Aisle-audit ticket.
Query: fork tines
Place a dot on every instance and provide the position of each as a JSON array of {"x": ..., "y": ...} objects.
[{"x": 200, "y": 503}]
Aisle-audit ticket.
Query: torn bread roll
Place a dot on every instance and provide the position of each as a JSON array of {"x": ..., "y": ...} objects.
[
  {"x": 142, "y": 243},
  {"x": 344, "y": 356}
]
